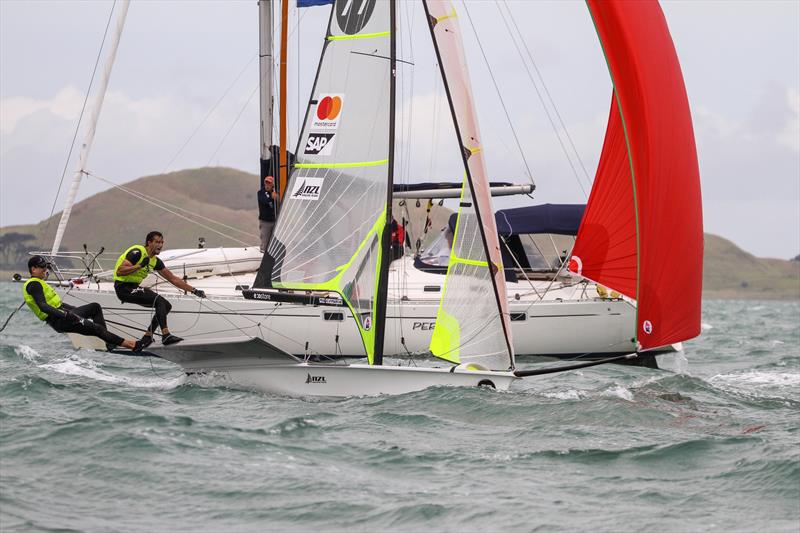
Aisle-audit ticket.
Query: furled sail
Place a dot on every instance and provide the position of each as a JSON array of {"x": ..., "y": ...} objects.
[
  {"x": 472, "y": 324},
  {"x": 330, "y": 231},
  {"x": 642, "y": 233}
]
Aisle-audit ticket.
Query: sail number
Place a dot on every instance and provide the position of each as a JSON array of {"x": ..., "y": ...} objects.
[{"x": 353, "y": 15}]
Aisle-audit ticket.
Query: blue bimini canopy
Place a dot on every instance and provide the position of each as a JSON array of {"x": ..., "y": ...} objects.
[{"x": 560, "y": 219}]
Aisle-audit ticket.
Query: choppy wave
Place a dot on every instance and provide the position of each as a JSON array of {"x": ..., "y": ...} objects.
[
  {"x": 95, "y": 442},
  {"x": 74, "y": 365},
  {"x": 27, "y": 353}
]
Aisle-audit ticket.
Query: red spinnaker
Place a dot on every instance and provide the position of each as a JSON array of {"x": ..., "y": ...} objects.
[{"x": 642, "y": 233}]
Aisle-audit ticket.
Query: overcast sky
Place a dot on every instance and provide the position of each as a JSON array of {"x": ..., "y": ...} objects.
[{"x": 741, "y": 63}]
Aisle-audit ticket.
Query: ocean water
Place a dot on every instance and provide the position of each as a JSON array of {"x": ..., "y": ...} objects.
[{"x": 96, "y": 442}]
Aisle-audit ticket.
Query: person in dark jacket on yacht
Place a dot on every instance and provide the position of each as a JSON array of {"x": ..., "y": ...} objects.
[{"x": 267, "y": 209}]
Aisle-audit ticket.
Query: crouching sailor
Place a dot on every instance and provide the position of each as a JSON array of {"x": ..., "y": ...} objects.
[
  {"x": 64, "y": 318},
  {"x": 132, "y": 268}
]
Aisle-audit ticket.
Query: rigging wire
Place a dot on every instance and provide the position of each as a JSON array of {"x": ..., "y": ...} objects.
[
  {"x": 209, "y": 113},
  {"x": 169, "y": 209},
  {"x": 499, "y": 95},
  {"x": 80, "y": 119},
  {"x": 156, "y": 201},
  {"x": 235, "y": 120},
  {"x": 514, "y": 38}
]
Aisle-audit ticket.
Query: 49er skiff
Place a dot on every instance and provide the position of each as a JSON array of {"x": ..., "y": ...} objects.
[{"x": 334, "y": 236}]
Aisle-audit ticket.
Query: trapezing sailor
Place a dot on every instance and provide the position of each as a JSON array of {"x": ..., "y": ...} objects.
[
  {"x": 132, "y": 268},
  {"x": 87, "y": 319}
]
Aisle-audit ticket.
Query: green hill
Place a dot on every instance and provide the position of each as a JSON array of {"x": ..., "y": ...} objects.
[
  {"x": 115, "y": 219},
  {"x": 730, "y": 272}
]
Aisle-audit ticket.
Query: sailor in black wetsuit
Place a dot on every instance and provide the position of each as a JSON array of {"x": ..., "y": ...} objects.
[
  {"x": 132, "y": 268},
  {"x": 64, "y": 318}
]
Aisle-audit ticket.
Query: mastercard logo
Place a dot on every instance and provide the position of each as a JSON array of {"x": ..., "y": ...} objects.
[{"x": 329, "y": 108}]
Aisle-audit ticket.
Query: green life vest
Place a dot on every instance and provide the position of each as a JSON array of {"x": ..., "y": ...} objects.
[
  {"x": 50, "y": 296},
  {"x": 136, "y": 276}
]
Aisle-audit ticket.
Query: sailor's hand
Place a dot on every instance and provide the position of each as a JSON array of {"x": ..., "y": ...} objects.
[
  {"x": 200, "y": 293},
  {"x": 144, "y": 266}
]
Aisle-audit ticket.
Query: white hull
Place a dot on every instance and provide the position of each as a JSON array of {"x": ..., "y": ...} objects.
[
  {"x": 569, "y": 321},
  {"x": 312, "y": 379},
  {"x": 254, "y": 365}
]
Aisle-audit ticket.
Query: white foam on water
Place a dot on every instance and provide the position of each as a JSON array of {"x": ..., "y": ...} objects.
[
  {"x": 617, "y": 391},
  {"x": 27, "y": 353},
  {"x": 758, "y": 378},
  {"x": 570, "y": 394},
  {"x": 74, "y": 365},
  {"x": 705, "y": 326}
]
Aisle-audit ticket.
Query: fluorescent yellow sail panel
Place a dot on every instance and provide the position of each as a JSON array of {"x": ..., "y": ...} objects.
[{"x": 446, "y": 337}]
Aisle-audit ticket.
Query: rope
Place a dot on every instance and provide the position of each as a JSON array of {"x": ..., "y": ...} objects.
[
  {"x": 80, "y": 119},
  {"x": 14, "y": 312}
]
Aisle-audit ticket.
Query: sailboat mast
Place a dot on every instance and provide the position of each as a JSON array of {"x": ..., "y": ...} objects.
[
  {"x": 282, "y": 169},
  {"x": 466, "y": 153},
  {"x": 267, "y": 101},
  {"x": 385, "y": 256},
  {"x": 92, "y": 126}
]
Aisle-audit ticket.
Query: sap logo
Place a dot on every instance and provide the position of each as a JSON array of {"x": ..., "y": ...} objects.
[
  {"x": 315, "y": 379},
  {"x": 306, "y": 188},
  {"x": 423, "y": 326},
  {"x": 319, "y": 144}
]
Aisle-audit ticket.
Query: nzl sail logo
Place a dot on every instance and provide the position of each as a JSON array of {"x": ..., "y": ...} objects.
[
  {"x": 315, "y": 379},
  {"x": 328, "y": 112},
  {"x": 319, "y": 144},
  {"x": 306, "y": 188}
]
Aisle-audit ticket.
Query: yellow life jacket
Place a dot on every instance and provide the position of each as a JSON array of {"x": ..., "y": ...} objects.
[
  {"x": 137, "y": 276},
  {"x": 50, "y": 296}
]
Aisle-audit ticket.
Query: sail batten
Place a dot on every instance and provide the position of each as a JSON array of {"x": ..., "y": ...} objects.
[{"x": 642, "y": 232}]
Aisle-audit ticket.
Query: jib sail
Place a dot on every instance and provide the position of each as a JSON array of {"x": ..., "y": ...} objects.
[{"x": 472, "y": 324}]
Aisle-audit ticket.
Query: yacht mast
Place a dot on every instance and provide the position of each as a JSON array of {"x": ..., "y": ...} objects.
[
  {"x": 97, "y": 106},
  {"x": 385, "y": 258},
  {"x": 282, "y": 169},
  {"x": 267, "y": 100}
]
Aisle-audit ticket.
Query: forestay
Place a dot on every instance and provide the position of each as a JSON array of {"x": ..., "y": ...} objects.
[
  {"x": 472, "y": 324},
  {"x": 328, "y": 236}
]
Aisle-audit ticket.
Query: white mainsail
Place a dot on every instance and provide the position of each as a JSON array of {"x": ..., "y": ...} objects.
[
  {"x": 472, "y": 325},
  {"x": 329, "y": 233}
]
